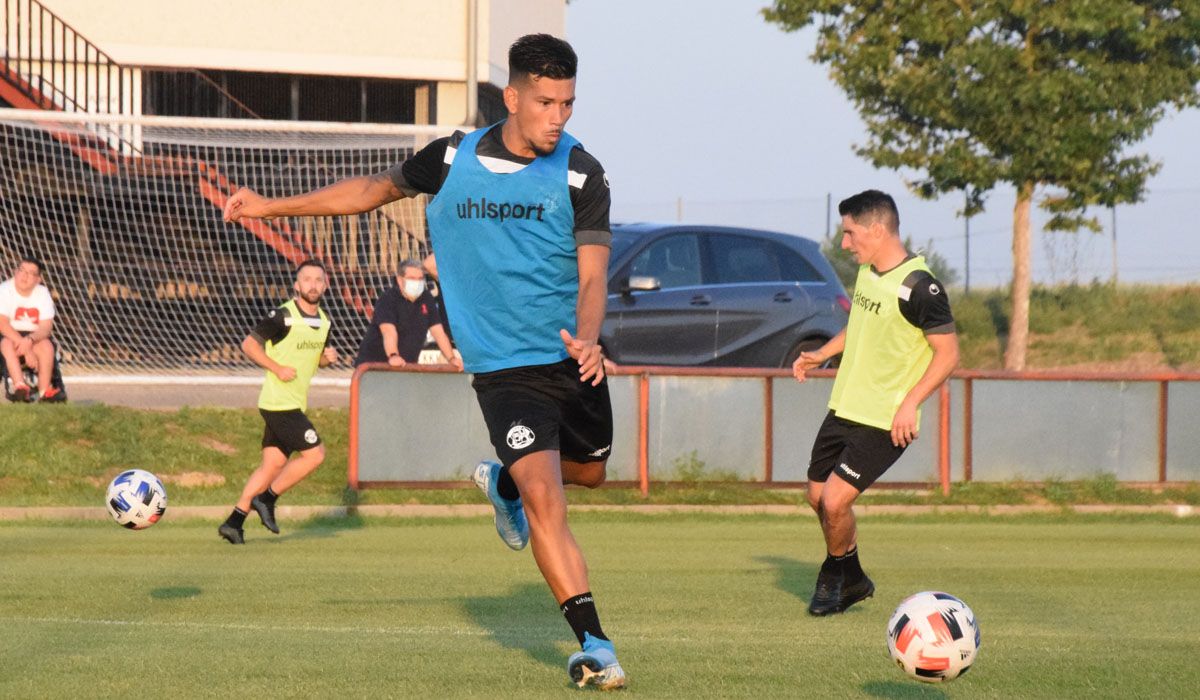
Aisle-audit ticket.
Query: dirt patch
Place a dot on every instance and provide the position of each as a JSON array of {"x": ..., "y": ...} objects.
[
  {"x": 84, "y": 443},
  {"x": 193, "y": 479},
  {"x": 217, "y": 446}
]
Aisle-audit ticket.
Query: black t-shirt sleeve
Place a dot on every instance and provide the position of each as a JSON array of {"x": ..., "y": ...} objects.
[
  {"x": 927, "y": 306},
  {"x": 423, "y": 171},
  {"x": 271, "y": 328},
  {"x": 592, "y": 201},
  {"x": 426, "y": 170}
]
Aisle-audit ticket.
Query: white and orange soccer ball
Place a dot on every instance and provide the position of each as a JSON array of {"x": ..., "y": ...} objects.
[
  {"x": 933, "y": 636},
  {"x": 136, "y": 499}
]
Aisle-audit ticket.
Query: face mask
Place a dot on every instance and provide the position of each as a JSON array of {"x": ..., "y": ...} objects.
[{"x": 413, "y": 288}]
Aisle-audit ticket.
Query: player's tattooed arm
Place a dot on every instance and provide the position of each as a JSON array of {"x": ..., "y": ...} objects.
[{"x": 350, "y": 196}]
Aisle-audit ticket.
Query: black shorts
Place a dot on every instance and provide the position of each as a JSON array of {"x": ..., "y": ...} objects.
[
  {"x": 545, "y": 407},
  {"x": 858, "y": 453},
  {"x": 290, "y": 431}
]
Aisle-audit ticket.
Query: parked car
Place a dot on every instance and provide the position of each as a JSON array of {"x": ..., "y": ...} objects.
[{"x": 709, "y": 295}]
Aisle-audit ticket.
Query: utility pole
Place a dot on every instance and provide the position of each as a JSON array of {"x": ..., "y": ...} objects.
[
  {"x": 967, "y": 237},
  {"x": 828, "y": 212},
  {"x": 679, "y": 209},
  {"x": 1113, "y": 211}
]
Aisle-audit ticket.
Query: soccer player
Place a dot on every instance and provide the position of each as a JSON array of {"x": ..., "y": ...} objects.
[
  {"x": 290, "y": 343},
  {"x": 519, "y": 225},
  {"x": 897, "y": 349}
]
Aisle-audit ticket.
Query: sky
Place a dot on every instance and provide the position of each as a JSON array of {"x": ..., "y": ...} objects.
[{"x": 703, "y": 112}]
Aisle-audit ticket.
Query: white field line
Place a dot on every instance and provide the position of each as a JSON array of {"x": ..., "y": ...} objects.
[{"x": 181, "y": 380}]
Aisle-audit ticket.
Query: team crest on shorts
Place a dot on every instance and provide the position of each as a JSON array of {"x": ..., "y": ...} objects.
[
  {"x": 519, "y": 437},
  {"x": 310, "y": 436}
]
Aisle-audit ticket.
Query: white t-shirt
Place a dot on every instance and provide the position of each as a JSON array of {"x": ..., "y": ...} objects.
[{"x": 25, "y": 312}]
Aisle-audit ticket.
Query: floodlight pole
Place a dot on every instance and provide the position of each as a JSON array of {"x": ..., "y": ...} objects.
[{"x": 472, "y": 116}]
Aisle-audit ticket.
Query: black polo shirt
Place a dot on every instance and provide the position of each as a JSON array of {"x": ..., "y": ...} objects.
[{"x": 412, "y": 320}]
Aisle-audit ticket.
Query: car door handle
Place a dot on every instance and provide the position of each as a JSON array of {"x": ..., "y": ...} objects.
[
  {"x": 701, "y": 300},
  {"x": 783, "y": 297}
]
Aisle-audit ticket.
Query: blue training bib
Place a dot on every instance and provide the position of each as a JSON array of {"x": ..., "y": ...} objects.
[{"x": 506, "y": 257}]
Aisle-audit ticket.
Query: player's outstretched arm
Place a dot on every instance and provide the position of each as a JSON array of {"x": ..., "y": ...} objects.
[{"x": 351, "y": 196}]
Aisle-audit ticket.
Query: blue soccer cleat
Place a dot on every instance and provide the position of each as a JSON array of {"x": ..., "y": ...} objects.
[
  {"x": 596, "y": 665},
  {"x": 510, "y": 515}
]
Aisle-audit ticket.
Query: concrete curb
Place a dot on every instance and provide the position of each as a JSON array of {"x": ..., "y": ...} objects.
[{"x": 471, "y": 511}]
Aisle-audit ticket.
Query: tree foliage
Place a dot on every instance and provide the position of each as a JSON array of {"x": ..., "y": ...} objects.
[{"x": 1044, "y": 96}]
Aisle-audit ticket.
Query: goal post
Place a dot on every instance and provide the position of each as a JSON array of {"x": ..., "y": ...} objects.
[{"x": 147, "y": 277}]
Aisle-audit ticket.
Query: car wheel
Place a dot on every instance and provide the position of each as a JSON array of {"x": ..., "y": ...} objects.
[{"x": 809, "y": 345}]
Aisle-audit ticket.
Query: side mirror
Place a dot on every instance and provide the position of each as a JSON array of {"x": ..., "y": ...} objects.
[{"x": 640, "y": 283}]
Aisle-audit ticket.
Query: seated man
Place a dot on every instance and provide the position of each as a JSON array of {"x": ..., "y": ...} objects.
[
  {"x": 26, "y": 320},
  {"x": 403, "y": 314}
]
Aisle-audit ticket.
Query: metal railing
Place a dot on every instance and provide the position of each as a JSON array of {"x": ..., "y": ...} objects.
[
  {"x": 768, "y": 446},
  {"x": 57, "y": 68}
]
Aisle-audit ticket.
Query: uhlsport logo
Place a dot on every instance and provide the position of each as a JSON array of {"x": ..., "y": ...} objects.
[
  {"x": 501, "y": 211},
  {"x": 519, "y": 437},
  {"x": 867, "y": 303},
  {"x": 846, "y": 468}
]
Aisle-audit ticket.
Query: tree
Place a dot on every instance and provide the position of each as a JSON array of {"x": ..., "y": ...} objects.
[{"x": 1044, "y": 96}]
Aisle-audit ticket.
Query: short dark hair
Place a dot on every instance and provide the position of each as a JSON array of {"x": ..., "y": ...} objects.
[
  {"x": 870, "y": 206},
  {"x": 33, "y": 261},
  {"x": 311, "y": 262},
  {"x": 541, "y": 56},
  {"x": 413, "y": 263}
]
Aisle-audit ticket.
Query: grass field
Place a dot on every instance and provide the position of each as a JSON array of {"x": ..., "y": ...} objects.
[{"x": 699, "y": 606}]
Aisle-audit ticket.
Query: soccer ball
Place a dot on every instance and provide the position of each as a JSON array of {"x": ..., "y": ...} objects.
[
  {"x": 933, "y": 637},
  {"x": 136, "y": 499}
]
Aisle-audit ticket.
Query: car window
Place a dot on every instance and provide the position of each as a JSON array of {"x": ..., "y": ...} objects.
[
  {"x": 675, "y": 261},
  {"x": 794, "y": 268},
  {"x": 740, "y": 259}
]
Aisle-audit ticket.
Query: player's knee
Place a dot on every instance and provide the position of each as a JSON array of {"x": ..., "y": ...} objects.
[
  {"x": 835, "y": 505},
  {"x": 594, "y": 475}
]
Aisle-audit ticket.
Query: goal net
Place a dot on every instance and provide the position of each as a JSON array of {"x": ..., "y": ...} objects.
[{"x": 147, "y": 278}]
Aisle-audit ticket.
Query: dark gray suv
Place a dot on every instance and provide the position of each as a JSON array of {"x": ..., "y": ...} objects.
[{"x": 709, "y": 295}]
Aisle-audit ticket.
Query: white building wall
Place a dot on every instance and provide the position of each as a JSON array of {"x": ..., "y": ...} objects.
[{"x": 409, "y": 39}]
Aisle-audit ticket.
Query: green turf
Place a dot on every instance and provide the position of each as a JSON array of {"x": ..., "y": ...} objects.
[{"x": 699, "y": 606}]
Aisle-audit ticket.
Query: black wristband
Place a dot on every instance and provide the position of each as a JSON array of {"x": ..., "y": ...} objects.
[{"x": 393, "y": 354}]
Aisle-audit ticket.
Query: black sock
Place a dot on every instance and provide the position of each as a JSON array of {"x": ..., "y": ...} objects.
[
  {"x": 268, "y": 496},
  {"x": 832, "y": 566},
  {"x": 506, "y": 487},
  {"x": 851, "y": 569},
  {"x": 580, "y": 612},
  {"x": 237, "y": 518}
]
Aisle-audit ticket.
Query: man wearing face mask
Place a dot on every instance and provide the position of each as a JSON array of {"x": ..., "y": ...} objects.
[{"x": 403, "y": 314}]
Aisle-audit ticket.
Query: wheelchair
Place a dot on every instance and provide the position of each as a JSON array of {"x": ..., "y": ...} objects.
[{"x": 31, "y": 380}]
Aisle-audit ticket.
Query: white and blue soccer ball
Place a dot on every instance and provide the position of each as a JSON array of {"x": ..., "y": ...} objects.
[
  {"x": 136, "y": 499},
  {"x": 933, "y": 636}
]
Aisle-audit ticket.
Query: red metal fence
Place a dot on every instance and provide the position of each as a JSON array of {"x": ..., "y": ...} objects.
[{"x": 644, "y": 374}]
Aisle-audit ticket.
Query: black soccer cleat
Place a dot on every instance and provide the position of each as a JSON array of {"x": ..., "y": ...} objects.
[
  {"x": 266, "y": 513},
  {"x": 827, "y": 596},
  {"x": 231, "y": 533},
  {"x": 855, "y": 592}
]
